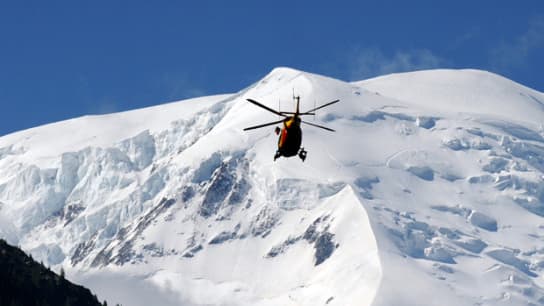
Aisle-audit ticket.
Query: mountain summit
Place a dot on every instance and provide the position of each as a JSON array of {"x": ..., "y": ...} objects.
[{"x": 434, "y": 179}]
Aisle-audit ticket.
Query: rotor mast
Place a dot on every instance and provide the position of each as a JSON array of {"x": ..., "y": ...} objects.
[{"x": 297, "y": 112}]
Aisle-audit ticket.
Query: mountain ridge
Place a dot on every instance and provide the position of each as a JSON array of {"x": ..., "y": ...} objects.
[{"x": 184, "y": 202}]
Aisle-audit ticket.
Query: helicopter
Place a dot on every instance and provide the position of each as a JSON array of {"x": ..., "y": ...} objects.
[{"x": 290, "y": 135}]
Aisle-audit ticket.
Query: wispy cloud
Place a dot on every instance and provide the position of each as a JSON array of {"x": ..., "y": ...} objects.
[
  {"x": 105, "y": 106},
  {"x": 370, "y": 62},
  {"x": 513, "y": 54},
  {"x": 93, "y": 105},
  {"x": 178, "y": 87},
  {"x": 467, "y": 38}
]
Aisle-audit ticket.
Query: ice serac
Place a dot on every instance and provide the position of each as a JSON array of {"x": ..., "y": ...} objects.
[{"x": 434, "y": 179}]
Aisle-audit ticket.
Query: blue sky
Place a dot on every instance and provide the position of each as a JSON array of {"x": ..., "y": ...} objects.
[{"x": 63, "y": 59}]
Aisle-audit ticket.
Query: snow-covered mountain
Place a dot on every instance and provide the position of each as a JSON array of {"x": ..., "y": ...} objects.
[{"x": 430, "y": 193}]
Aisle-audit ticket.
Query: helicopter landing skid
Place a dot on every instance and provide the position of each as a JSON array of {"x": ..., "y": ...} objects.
[
  {"x": 278, "y": 154},
  {"x": 302, "y": 154}
]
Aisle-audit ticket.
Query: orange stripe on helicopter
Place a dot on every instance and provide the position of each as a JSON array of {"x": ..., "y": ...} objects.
[
  {"x": 283, "y": 136},
  {"x": 287, "y": 124}
]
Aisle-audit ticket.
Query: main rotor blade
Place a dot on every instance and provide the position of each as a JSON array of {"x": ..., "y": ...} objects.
[
  {"x": 266, "y": 107},
  {"x": 306, "y": 112},
  {"x": 319, "y": 126},
  {"x": 293, "y": 113},
  {"x": 262, "y": 125}
]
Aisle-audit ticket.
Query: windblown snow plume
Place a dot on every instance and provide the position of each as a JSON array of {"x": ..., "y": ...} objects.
[{"x": 434, "y": 179}]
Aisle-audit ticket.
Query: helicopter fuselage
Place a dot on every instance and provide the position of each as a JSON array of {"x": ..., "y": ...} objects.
[{"x": 290, "y": 137}]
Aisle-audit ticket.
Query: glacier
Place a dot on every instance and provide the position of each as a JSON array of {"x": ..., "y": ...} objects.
[{"x": 434, "y": 179}]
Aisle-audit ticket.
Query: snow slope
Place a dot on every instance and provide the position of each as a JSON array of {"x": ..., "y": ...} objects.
[{"x": 435, "y": 179}]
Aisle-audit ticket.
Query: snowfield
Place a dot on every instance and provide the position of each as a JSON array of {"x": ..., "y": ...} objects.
[{"x": 431, "y": 192}]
